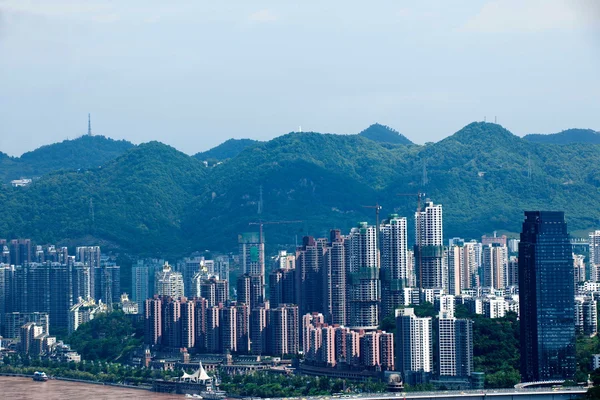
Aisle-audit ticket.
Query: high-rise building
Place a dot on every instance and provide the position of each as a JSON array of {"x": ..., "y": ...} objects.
[
  {"x": 586, "y": 316},
  {"x": 20, "y": 251},
  {"x": 169, "y": 283},
  {"x": 546, "y": 300},
  {"x": 512, "y": 274},
  {"x": 90, "y": 256},
  {"x": 334, "y": 280},
  {"x": 283, "y": 330},
  {"x": 455, "y": 346},
  {"x": 153, "y": 321},
  {"x": 252, "y": 259},
  {"x": 413, "y": 346},
  {"x": 595, "y": 255},
  {"x": 258, "y": 329},
  {"x": 429, "y": 242},
  {"x": 282, "y": 286},
  {"x": 394, "y": 263},
  {"x": 364, "y": 289},
  {"x": 495, "y": 265},
  {"x": 309, "y": 275}
]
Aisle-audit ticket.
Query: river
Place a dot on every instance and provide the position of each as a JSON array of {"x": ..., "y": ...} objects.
[{"x": 25, "y": 388}]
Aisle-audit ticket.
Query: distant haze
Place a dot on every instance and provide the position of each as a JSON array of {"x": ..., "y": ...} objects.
[{"x": 195, "y": 73}]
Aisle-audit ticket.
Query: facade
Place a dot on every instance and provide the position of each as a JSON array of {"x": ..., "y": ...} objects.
[
  {"x": 334, "y": 280},
  {"x": 169, "y": 283},
  {"x": 252, "y": 260},
  {"x": 394, "y": 263},
  {"x": 414, "y": 351},
  {"x": 82, "y": 312},
  {"x": 429, "y": 248},
  {"x": 546, "y": 290},
  {"x": 495, "y": 266},
  {"x": 364, "y": 288},
  {"x": 455, "y": 346},
  {"x": 595, "y": 255}
]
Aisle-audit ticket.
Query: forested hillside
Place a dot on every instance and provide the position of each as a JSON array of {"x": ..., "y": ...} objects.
[
  {"x": 156, "y": 200},
  {"x": 81, "y": 153}
]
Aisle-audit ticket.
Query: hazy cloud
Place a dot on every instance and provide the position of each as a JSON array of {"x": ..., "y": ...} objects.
[
  {"x": 518, "y": 16},
  {"x": 265, "y": 15}
]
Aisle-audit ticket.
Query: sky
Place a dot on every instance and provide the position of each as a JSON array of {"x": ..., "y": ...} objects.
[{"x": 193, "y": 74}]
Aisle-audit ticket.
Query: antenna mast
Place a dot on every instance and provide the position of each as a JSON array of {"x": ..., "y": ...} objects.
[{"x": 89, "y": 125}]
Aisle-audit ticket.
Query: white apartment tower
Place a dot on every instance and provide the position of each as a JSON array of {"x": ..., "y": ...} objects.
[
  {"x": 455, "y": 346},
  {"x": 413, "y": 346},
  {"x": 429, "y": 242},
  {"x": 394, "y": 263},
  {"x": 595, "y": 255},
  {"x": 169, "y": 283}
]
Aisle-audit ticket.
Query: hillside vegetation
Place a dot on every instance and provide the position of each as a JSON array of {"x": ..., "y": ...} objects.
[
  {"x": 155, "y": 200},
  {"x": 81, "y": 153},
  {"x": 566, "y": 137},
  {"x": 228, "y": 149},
  {"x": 384, "y": 134}
]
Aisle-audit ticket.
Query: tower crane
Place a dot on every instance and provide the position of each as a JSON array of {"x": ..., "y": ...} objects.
[{"x": 260, "y": 224}]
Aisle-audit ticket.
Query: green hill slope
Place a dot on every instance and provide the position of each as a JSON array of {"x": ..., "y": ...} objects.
[
  {"x": 81, "y": 153},
  {"x": 384, "y": 134},
  {"x": 155, "y": 200},
  {"x": 566, "y": 137},
  {"x": 228, "y": 149}
]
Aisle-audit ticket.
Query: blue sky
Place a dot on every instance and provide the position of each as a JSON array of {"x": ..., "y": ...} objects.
[{"x": 195, "y": 73}]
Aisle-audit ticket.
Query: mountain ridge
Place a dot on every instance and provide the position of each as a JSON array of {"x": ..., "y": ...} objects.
[
  {"x": 568, "y": 136},
  {"x": 154, "y": 200}
]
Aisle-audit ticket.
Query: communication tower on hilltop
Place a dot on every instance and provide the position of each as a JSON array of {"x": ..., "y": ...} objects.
[{"x": 89, "y": 125}]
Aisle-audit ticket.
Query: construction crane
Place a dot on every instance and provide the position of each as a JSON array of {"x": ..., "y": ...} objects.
[
  {"x": 377, "y": 208},
  {"x": 261, "y": 223},
  {"x": 419, "y": 195}
]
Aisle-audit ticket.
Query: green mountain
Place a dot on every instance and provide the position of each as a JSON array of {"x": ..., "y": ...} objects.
[
  {"x": 135, "y": 202},
  {"x": 81, "y": 153},
  {"x": 566, "y": 137},
  {"x": 228, "y": 149},
  {"x": 155, "y": 200},
  {"x": 384, "y": 134}
]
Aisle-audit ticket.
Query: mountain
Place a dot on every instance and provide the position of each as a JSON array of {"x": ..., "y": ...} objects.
[
  {"x": 81, "y": 153},
  {"x": 135, "y": 202},
  {"x": 566, "y": 137},
  {"x": 384, "y": 134},
  {"x": 155, "y": 200},
  {"x": 227, "y": 149}
]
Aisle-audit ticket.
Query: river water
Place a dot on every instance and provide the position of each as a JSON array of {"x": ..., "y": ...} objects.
[{"x": 25, "y": 388}]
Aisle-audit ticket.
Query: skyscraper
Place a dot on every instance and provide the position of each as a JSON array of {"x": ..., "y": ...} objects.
[
  {"x": 595, "y": 255},
  {"x": 413, "y": 346},
  {"x": 429, "y": 247},
  {"x": 309, "y": 275},
  {"x": 546, "y": 298},
  {"x": 455, "y": 346},
  {"x": 334, "y": 280},
  {"x": 495, "y": 266},
  {"x": 252, "y": 258},
  {"x": 394, "y": 263},
  {"x": 169, "y": 283},
  {"x": 364, "y": 289}
]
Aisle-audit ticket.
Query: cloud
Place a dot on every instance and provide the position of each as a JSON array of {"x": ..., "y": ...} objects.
[
  {"x": 265, "y": 15},
  {"x": 61, "y": 9},
  {"x": 510, "y": 16}
]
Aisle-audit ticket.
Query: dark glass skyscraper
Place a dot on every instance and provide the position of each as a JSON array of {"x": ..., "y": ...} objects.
[{"x": 546, "y": 286}]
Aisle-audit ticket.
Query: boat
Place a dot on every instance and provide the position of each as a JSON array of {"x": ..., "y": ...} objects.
[{"x": 40, "y": 376}]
